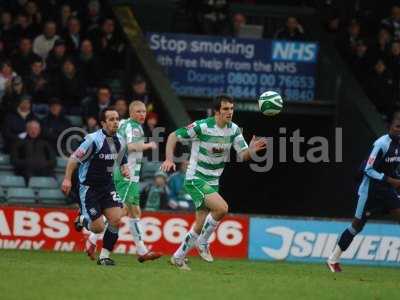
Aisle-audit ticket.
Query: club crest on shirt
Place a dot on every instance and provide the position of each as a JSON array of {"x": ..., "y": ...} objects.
[
  {"x": 217, "y": 150},
  {"x": 79, "y": 153},
  {"x": 135, "y": 131},
  {"x": 191, "y": 126},
  {"x": 371, "y": 160}
]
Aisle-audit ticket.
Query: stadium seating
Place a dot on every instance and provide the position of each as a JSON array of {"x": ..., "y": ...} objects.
[
  {"x": 60, "y": 177},
  {"x": 1, "y": 143},
  {"x": 60, "y": 167},
  {"x": 5, "y": 162},
  {"x": 2, "y": 195},
  {"x": 42, "y": 183},
  {"x": 116, "y": 86},
  {"x": 149, "y": 168},
  {"x": 6, "y": 173},
  {"x": 12, "y": 181},
  {"x": 75, "y": 120},
  {"x": 144, "y": 184},
  {"x": 51, "y": 196},
  {"x": 61, "y": 162},
  {"x": 21, "y": 195}
]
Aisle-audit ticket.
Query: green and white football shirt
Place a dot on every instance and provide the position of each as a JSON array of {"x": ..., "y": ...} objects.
[
  {"x": 130, "y": 131},
  {"x": 210, "y": 148}
]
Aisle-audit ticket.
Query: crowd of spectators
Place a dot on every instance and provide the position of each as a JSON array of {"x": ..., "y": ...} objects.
[
  {"x": 63, "y": 51},
  {"x": 215, "y": 17},
  {"x": 367, "y": 35},
  {"x": 56, "y": 60}
]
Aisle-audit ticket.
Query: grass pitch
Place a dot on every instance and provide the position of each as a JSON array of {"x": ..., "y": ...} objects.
[{"x": 50, "y": 275}]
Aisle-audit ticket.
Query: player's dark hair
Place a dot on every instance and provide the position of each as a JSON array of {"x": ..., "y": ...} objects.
[
  {"x": 102, "y": 116},
  {"x": 105, "y": 19},
  {"x": 36, "y": 60},
  {"x": 392, "y": 116},
  {"x": 49, "y": 22},
  {"x": 69, "y": 59},
  {"x": 33, "y": 121},
  {"x": 103, "y": 87},
  {"x": 219, "y": 99}
]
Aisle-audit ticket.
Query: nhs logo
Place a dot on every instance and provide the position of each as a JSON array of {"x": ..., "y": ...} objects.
[{"x": 294, "y": 51}]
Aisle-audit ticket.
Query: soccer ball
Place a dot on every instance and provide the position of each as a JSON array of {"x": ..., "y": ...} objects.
[{"x": 270, "y": 103}]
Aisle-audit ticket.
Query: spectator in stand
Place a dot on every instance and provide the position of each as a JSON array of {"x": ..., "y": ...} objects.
[
  {"x": 178, "y": 197},
  {"x": 56, "y": 58},
  {"x": 49, "y": 9},
  {"x": 121, "y": 106},
  {"x": 381, "y": 48},
  {"x": 155, "y": 195},
  {"x": 14, "y": 125},
  {"x": 360, "y": 62},
  {"x": 23, "y": 57},
  {"x": 7, "y": 31},
  {"x": 381, "y": 88},
  {"x": 6, "y": 75},
  {"x": 37, "y": 83},
  {"x": 93, "y": 17},
  {"x": 91, "y": 125},
  {"x": 70, "y": 86},
  {"x": 148, "y": 128},
  {"x": 332, "y": 17},
  {"x": 45, "y": 42},
  {"x": 89, "y": 64},
  {"x": 33, "y": 156},
  {"x": 108, "y": 44},
  {"x": 213, "y": 17},
  {"x": 65, "y": 13},
  {"x": 34, "y": 15},
  {"x": 16, "y": 6},
  {"x": 394, "y": 65},
  {"x": 23, "y": 28},
  {"x": 73, "y": 37},
  {"x": 333, "y": 25},
  {"x": 54, "y": 123},
  {"x": 151, "y": 123},
  {"x": 292, "y": 30},
  {"x": 94, "y": 106},
  {"x": 347, "y": 42},
  {"x": 3, "y": 55},
  {"x": 139, "y": 90},
  {"x": 238, "y": 20},
  {"x": 392, "y": 24},
  {"x": 13, "y": 94}
]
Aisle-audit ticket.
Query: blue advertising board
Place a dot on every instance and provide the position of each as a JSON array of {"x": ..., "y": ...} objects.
[
  {"x": 244, "y": 68},
  {"x": 313, "y": 241}
]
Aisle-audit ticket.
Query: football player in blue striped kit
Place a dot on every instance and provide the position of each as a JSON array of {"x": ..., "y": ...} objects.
[
  {"x": 97, "y": 156},
  {"x": 378, "y": 191}
]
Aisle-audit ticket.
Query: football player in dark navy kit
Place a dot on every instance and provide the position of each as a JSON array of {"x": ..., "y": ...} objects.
[
  {"x": 96, "y": 157},
  {"x": 378, "y": 191}
]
